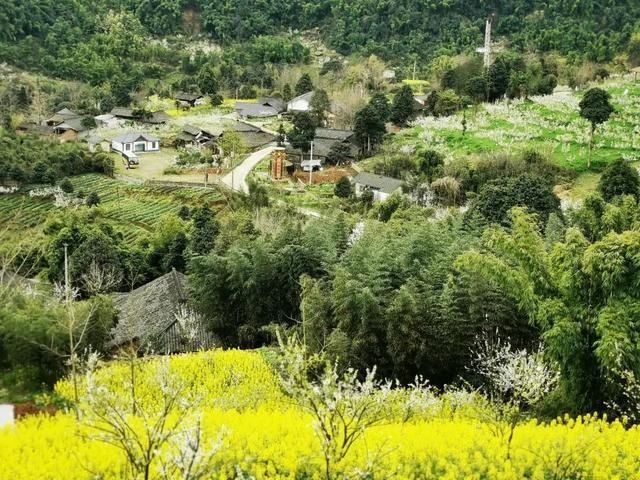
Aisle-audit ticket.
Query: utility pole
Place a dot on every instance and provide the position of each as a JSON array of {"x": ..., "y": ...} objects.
[
  {"x": 311, "y": 164},
  {"x": 66, "y": 273}
]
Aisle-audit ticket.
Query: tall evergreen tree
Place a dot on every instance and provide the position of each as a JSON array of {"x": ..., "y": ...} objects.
[
  {"x": 380, "y": 104},
  {"x": 304, "y": 85},
  {"x": 205, "y": 230},
  {"x": 303, "y": 131},
  {"x": 368, "y": 128},
  {"x": 402, "y": 108},
  {"x": 320, "y": 106}
]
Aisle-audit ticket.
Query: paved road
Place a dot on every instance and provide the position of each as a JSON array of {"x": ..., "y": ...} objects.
[{"x": 237, "y": 178}]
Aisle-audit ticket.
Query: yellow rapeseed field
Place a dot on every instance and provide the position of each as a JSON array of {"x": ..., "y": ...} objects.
[{"x": 262, "y": 434}]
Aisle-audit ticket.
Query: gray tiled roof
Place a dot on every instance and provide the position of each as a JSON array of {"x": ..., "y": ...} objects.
[
  {"x": 274, "y": 102},
  {"x": 149, "y": 310},
  {"x": 133, "y": 136},
  {"x": 245, "y": 109},
  {"x": 187, "y": 97},
  {"x": 122, "y": 112},
  {"x": 378, "y": 182},
  {"x": 333, "y": 133}
]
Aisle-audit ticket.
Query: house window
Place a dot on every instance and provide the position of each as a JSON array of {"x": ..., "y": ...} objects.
[
  {"x": 155, "y": 145},
  {"x": 127, "y": 146}
]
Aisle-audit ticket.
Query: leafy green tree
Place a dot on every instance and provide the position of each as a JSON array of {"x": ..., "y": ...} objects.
[
  {"x": 167, "y": 246},
  {"x": 66, "y": 186},
  {"x": 343, "y": 188},
  {"x": 339, "y": 153},
  {"x": 402, "y": 107},
  {"x": 207, "y": 81},
  {"x": 282, "y": 135},
  {"x": 580, "y": 295},
  {"x": 476, "y": 89},
  {"x": 369, "y": 128},
  {"x": 619, "y": 178},
  {"x": 498, "y": 80},
  {"x": 92, "y": 200},
  {"x": 380, "y": 105},
  {"x": 304, "y": 85},
  {"x": 303, "y": 131},
  {"x": 447, "y": 103},
  {"x": 634, "y": 49},
  {"x": 320, "y": 106},
  {"x": 496, "y": 198},
  {"x": 596, "y": 108},
  {"x": 430, "y": 163},
  {"x": 205, "y": 231}
]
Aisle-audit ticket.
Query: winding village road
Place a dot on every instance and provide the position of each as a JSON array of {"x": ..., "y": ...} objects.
[{"x": 237, "y": 178}]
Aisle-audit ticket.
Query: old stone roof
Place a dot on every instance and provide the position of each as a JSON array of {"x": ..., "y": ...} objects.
[
  {"x": 322, "y": 147},
  {"x": 273, "y": 102},
  {"x": 252, "y": 136},
  {"x": 187, "y": 97},
  {"x": 158, "y": 117},
  {"x": 148, "y": 311},
  {"x": 378, "y": 182},
  {"x": 71, "y": 124},
  {"x": 333, "y": 133},
  {"x": 305, "y": 96},
  {"x": 246, "y": 109},
  {"x": 122, "y": 112}
]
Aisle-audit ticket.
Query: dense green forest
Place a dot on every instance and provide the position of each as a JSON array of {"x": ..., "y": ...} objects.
[{"x": 587, "y": 29}]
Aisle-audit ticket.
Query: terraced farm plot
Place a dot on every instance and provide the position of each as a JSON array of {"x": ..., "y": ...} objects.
[
  {"x": 132, "y": 209},
  {"x": 22, "y": 211}
]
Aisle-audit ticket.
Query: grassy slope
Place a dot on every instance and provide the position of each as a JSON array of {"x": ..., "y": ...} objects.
[{"x": 548, "y": 124}]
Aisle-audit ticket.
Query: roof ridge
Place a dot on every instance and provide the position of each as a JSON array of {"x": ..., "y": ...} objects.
[{"x": 178, "y": 284}]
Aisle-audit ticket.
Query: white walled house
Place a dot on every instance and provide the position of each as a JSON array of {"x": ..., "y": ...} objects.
[
  {"x": 381, "y": 186},
  {"x": 132, "y": 143},
  {"x": 301, "y": 103}
]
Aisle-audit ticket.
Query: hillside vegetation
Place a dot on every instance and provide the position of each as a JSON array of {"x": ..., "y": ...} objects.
[
  {"x": 244, "y": 426},
  {"x": 594, "y": 30}
]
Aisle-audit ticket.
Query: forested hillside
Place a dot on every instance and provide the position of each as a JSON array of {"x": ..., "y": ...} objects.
[{"x": 589, "y": 29}]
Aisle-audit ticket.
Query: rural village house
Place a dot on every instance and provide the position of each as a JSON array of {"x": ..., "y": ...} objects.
[
  {"x": 301, "y": 103},
  {"x": 67, "y": 124},
  {"x": 195, "y": 137},
  {"x": 324, "y": 141},
  {"x": 153, "y": 317},
  {"x": 265, "y": 107},
  {"x": 188, "y": 100},
  {"x": 381, "y": 186},
  {"x": 130, "y": 144},
  {"x": 252, "y": 137}
]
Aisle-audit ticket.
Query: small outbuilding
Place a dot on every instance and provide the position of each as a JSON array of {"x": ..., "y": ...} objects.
[{"x": 381, "y": 186}]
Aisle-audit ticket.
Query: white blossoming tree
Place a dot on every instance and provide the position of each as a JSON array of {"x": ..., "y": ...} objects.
[{"x": 515, "y": 380}]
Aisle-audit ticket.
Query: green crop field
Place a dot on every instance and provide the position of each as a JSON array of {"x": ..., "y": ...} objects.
[{"x": 133, "y": 209}]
